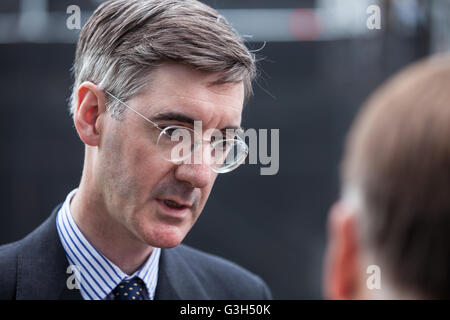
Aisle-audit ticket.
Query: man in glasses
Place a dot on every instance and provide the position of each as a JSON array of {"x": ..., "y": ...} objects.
[{"x": 157, "y": 101}]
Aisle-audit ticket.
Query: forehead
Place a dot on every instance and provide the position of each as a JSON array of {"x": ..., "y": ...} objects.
[{"x": 178, "y": 88}]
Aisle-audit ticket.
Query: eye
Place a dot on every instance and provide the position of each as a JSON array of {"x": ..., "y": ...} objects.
[
  {"x": 222, "y": 145},
  {"x": 176, "y": 133},
  {"x": 230, "y": 134},
  {"x": 169, "y": 130}
]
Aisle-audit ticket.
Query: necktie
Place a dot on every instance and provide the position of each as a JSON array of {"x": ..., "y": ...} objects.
[{"x": 133, "y": 289}]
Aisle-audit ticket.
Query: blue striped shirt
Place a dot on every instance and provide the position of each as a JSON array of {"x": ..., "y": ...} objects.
[{"x": 95, "y": 275}]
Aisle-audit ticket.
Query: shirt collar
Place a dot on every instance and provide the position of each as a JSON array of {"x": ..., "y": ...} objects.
[{"x": 95, "y": 274}]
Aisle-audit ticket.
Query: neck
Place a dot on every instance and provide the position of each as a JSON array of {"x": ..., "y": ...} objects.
[{"x": 105, "y": 233}]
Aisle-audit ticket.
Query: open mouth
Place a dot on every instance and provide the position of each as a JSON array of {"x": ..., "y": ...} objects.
[{"x": 173, "y": 204}]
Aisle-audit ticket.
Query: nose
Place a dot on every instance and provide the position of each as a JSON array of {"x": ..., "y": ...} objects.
[{"x": 196, "y": 173}]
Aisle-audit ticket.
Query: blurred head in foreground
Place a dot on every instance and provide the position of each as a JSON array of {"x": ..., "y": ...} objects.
[{"x": 389, "y": 234}]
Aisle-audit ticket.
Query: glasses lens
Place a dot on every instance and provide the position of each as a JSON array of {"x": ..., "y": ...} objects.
[
  {"x": 176, "y": 143},
  {"x": 227, "y": 154}
]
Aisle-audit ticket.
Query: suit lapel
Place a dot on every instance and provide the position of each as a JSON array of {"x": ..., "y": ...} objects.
[
  {"x": 42, "y": 269},
  {"x": 164, "y": 288},
  {"x": 42, "y": 265},
  {"x": 176, "y": 279}
]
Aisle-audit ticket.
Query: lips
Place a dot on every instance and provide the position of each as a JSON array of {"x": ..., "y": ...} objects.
[
  {"x": 174, "y": 204},
  {"x": 174, "y": 208}
]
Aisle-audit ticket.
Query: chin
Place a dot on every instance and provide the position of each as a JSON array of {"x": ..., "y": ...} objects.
[{"x": 163, "y": 236}]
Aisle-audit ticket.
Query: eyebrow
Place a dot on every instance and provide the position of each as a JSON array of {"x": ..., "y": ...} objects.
[{"x": 180, "y": 117}]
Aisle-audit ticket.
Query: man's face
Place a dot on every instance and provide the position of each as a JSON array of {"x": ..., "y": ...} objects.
[{"x": 136, "y": 181}]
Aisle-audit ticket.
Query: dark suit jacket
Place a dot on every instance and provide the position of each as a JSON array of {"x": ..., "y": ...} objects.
[{"x": 35, "y": 268}]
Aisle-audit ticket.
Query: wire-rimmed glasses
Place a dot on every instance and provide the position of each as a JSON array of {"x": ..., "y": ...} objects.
[{"x": 179, "y": 144}]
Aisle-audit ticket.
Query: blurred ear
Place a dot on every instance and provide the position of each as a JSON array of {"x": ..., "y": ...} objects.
[
  {"x": 341, "y": 276},
  {"x": 87, "y": 117}
]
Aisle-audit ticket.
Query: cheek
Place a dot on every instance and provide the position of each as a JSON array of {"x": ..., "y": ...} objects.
[
  {"x": 117, "y": 184},
  {"x": 130, "y": 168},
  {"x": 146, "y": 166}
]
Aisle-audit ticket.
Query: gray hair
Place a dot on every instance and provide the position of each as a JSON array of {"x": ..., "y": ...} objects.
[{"x": 124, "y": 40}]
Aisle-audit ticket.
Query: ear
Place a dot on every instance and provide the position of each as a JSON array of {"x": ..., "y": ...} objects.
[
  {"x": 342, "y": 274},
  {"x": 87, "y": 117}
]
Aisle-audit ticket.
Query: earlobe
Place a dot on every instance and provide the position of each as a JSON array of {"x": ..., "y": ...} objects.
[{"x": 90, "y": 106}]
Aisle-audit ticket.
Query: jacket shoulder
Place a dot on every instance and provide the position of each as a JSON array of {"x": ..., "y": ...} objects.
[
  {"x": 18, "y": 258},
  {"x": 8, "y": 270},
  {"x": 224, "y": 279}
]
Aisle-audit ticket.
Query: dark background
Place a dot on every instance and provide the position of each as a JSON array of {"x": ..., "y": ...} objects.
[{"x": 273, "y": 225}]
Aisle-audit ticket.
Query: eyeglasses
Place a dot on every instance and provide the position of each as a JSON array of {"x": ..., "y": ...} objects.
[{"x": 226, "y": 153}]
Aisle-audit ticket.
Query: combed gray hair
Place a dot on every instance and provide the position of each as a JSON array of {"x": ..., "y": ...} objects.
[{"x": 124, "y": 40}]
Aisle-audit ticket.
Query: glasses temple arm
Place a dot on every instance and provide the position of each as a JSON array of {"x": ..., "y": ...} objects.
[{"x": 132, "y": 109}]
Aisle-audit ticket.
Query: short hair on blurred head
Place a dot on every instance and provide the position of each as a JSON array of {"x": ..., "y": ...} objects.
[{"x": 397, "y": 160}]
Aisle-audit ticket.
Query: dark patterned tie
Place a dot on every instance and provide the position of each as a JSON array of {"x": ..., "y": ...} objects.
[{"x": 133, "y": 289}]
